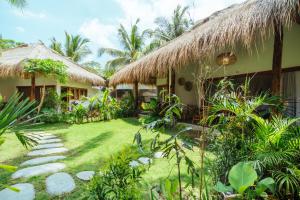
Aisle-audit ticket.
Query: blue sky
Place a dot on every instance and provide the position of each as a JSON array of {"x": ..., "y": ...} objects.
[{"x": 97, "y": 20}]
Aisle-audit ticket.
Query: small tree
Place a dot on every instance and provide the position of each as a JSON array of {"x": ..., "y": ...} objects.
[{"x": 44, "y": 67}]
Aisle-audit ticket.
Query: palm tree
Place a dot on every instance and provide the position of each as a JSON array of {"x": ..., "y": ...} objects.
[
  {"x": 17, "y": 3},
  {"x": 167, "y": 29},
  {"x": 132, "y": 42},
  {"x": 75, "y": 47}
]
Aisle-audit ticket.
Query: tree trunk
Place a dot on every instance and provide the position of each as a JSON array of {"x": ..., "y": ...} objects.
[
  {"x": 277, "y": 59},
  {"x": 32, "y": 89},
  {"x": 42, "y": 99}
]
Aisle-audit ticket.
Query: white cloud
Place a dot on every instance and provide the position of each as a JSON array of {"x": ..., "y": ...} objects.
[
  {"x": 148, "y": 10},
  {"x": 105, "y": 34},
  {"x": 100, "y": 33},
  {"x": 203, "y": 8},
  {"x": 20, "y": 29},
  {"x": 29, "y": 14}
]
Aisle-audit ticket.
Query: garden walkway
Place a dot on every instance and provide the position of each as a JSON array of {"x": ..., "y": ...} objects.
[{"x": 45, "y": 158}]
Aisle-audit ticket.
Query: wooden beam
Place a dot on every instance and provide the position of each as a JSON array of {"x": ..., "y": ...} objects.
[
  {"x": 136, "y": 94},
  {"x": 277, "y": 59}
]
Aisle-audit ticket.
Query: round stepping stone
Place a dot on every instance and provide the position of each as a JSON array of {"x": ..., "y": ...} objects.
[
  {"x": 37, "y": 170},
  {"x": 60, "y": 183},
  {"x": 47, "y": 146},
  {"x": 85, "y": 175},
  {"x": 134, "y": 164},
  {"x": 26, "y": 192},
  {"x": 158, "y": 154},
  {"x": 44, "y": 152},
  {"x": 49, "y": 141},
  {"x": 42, "y": 160},
  {"x": 145, "y": 160}
]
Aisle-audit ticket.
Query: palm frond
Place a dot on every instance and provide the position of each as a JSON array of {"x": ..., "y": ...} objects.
[{"x": 17, "y": 3}]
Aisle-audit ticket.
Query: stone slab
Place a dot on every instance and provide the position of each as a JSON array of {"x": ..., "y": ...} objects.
[
  {"x": 85, "y": 175},
  {"x": 145, "y": 160},
  {"x": 47, "y": 146},
  {"x": 42, "y": 160},
  {"x": 49, "y": 141},
  {"x": 38, "y": 170},
  {"x": 26, "y": 192},
  {"x": 60, "y": 183},
  {"x": 134, "y": 163},
  {"x": 158, "y": 154},
  {"x": 46, "y": 137},
  {"x": 44, "y": 152}
]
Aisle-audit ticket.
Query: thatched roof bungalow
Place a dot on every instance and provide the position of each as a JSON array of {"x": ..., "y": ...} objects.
[
  {"x": 80, "y": 81},
  {"x": 257, "y": 36}
]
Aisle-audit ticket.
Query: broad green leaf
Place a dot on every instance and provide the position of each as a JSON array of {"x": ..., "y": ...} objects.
[
  {"x": 242, "y": 176},
  {"x": 220, "y": 187},
  {"x": 267, "y": 183}
]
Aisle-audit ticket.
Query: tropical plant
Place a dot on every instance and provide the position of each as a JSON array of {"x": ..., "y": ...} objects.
[
  {"x": 44, "y": 67},
  {"x": 75, "y": 47},
  {"x": 243, "y": 134},
  {"x": 173, "y": 146},
  {"x": 168, "y": 30},
  {"x": 8, "y": 43},
  {"x": 132, "y": 43},
  {"x": 242, "y": 178},
  {"x": 80, "y": 112},
  {"x": 14, "y": 117},
  {"x": 117, "y": 179},
  {"x": 17, "y": 3},
  {"x": 94, "y": 67}
]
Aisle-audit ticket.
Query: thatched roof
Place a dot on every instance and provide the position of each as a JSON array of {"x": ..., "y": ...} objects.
[
  {"x": 12, "y": 61},
  {"x": 240, "y": 24}
]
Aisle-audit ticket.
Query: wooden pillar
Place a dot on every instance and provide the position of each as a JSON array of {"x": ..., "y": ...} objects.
[
  {"x": 136, "y": 94},
  {"x": 173, "y": 81},
  {"x": 277, "y": 59},
  {"x": 298, "y": 17},
  {"x": 32, "y": 89}
]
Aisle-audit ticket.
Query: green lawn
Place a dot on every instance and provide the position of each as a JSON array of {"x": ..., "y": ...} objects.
[{"x": 90, "y": 146}]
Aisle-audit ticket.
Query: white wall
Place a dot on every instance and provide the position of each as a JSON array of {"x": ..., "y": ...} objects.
[
  {"x": 259, "y": 60},
  {"x": 9, "y": 85}
]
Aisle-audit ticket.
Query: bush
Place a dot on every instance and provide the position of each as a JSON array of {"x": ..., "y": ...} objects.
[{"x": 117, "y": 181}]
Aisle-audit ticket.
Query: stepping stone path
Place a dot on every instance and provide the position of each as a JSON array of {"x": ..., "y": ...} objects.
[
  {"x": 47, "y": 146},
  {"x": 60, "y": 183},
  {"x": 85, "y": 175},
  {"x": 37, "y": 170},
  {"x": 57, "y": 183},
  {"x": 26, "y": 192},
  {"x": 42, "y": 160},
  {"x": 44, "y": 152},
  {"x": 47, "y": 141}
]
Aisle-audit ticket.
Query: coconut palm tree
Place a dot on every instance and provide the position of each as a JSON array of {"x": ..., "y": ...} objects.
[
  {"x": 75, "y": 47},
  {"x": 17, "y": 3},
  {"x": 168, "y": 29},
  {"x": 132, "y": 42}
]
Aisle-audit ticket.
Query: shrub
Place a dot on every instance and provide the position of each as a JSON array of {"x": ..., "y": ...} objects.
[{"x": 117, "y": 181}]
